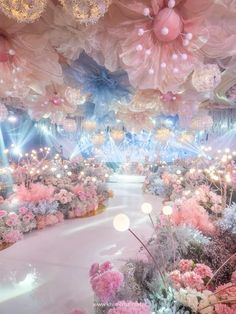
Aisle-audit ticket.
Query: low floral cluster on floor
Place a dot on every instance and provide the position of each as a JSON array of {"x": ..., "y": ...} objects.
[
  {"x": 47, "y": 191},
  {"x": 189, "y": 264}
]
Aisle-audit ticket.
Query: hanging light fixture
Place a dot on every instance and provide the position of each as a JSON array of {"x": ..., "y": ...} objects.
[
  {"x": 86, "y": 11},
  {"x": 23, "y": 11},
  {"x": 117, "y": 135},
  {"x": 163, "y": 134},
  {"x": 89, "y": 125}
]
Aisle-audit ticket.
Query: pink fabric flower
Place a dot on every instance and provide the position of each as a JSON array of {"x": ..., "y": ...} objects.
[
  {"x": 185, "y": 265},
  {"x": 12, "y": 220},
  {"x": 153, "y": 40},
  {"x": 35, "y": 193},
  {"x": 192, "y": 280},
  {"x": 226, "y": 291},
  {"x": 203, "y": 271},
  {"x": 130, "y": 308}
]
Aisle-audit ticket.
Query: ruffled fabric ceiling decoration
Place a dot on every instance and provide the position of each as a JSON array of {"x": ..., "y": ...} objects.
[{"x": 118, "y": 60}]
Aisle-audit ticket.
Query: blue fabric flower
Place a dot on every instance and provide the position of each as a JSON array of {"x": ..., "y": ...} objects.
[{"x": 105, "y": 87}]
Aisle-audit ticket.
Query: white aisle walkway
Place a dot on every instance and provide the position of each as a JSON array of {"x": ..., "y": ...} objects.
[{"x": 47, "y": 272}]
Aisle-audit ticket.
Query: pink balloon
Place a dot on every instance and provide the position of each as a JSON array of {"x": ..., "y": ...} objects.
[{"x": 167, "y": 25}]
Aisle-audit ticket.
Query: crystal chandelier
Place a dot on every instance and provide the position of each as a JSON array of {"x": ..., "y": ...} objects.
[
  {"x": 23, "y": 11},
  {"x": 86, "y": 11}
]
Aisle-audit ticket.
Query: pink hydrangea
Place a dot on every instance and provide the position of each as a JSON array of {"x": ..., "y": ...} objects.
[
  {"x": 226, "y": 291},
  {"x": 12, "y": 236},
  {"x": 225, "y": 309},
  {"x": 12, "y": 220},
  {"x": 28, "y": 217},
  {"x": 193, "y": 281},
  {"x": 203, "y": 271},
  {"x": 107, "y": 284},
  {"x": 176, "y": 279},
  {"x": 130, "y": 308},
  {"x": 185, "y": 265},
  {"x": 105, "y": 266},
  {"x": 23, "y": 210}
]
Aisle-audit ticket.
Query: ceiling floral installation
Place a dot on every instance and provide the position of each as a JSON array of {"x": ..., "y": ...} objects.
[{"x": 120, "y": 63}]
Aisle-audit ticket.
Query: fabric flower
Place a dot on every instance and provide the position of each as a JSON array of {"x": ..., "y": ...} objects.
[
  {"x": 105, "y": 87},
  {"x": 155, "y": 40},
  {"x": 176, "y": 279},
  {"x": 12, "y": 236}
]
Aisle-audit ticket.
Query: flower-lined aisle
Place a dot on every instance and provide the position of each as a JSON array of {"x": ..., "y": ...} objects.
[
  {"x": 41, "y": 191},
  {"x": 189, "y": 263}
]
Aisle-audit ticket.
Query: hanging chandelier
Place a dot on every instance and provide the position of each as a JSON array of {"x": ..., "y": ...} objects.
[
  {"x": 86, "y": 11},
  {"x": 23, "y": 11}
]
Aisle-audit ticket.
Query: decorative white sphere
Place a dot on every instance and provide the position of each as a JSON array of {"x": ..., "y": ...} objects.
[
  {"x": 141, "y": 32},
  {"x": 163, "y": 65},
  {"x": 11, "y": 52},
  {"x": 146, "y": 12},
  {"x": 151, "y": 71},
  {"x": 184, "y": 56},
  {"x": 146, "y": 208},
  {"x": 189, "y": 36},
  {"x": 185, "y": 42},
  {"x": 174, "y": 56},
  {"x": 121, "y": 222},
  {"x": 171, "y": 4},
  {"x": 167, "y": 210},
  {"x": 139, "y": 47},
  {"x": 165, "y": 31}
]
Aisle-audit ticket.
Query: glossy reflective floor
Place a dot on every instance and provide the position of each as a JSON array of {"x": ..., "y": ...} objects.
[{"x": 47, "y": 272}]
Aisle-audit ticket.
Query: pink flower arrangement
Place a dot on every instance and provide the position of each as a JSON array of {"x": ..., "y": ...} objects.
[
  {"x": 105, "y": 282},
  {"x": 63, "y": 196},
  {"x": 49, "y": 220},
  {"x": 188, "y": 211},
  {"x": 190, "y": 275},
  {"x": 79, "y": 190},
  {"x": 12, "y": 236},
  {"x": 130, "y": 308},
  {"x": 35, "y": 193}
]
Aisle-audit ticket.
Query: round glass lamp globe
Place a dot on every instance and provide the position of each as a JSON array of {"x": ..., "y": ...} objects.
[
  {"x": 121, "y": 222},
  {"x": 167, "y": 210},
  {"x": 146, "y": 208}
]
